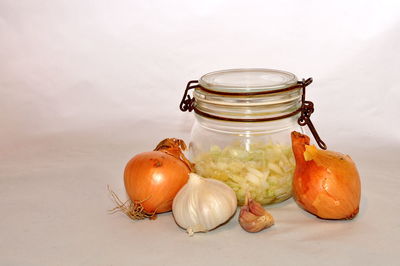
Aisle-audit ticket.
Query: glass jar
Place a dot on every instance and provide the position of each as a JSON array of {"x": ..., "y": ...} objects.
[{"x": 241, "y": 135}]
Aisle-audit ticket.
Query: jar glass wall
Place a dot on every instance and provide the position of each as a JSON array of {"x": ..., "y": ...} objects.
[{"x": 249, "y": 157}]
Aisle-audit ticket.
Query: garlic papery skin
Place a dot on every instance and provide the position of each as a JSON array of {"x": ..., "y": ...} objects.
[{"x": 203, "y": 204}]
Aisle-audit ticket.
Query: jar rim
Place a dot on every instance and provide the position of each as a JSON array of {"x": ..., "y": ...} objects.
[{"x": 247, "y": 81}]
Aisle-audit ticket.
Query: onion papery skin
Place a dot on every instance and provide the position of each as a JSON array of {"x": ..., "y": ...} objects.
[
  {"x": 325, "y": 183},
  {"x": 153, "y": 179}
]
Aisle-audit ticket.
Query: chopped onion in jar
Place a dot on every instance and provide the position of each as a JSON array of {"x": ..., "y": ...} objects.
[{"x": 263, "y": 170}]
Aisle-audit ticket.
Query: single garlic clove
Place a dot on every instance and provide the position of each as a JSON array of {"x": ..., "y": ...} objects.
[{"x": 253, "y": 217}]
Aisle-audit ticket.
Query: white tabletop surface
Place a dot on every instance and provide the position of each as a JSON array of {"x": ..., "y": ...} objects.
[
  {"x": 54, "y": 202},
  {"x": 86, "y": 85}
]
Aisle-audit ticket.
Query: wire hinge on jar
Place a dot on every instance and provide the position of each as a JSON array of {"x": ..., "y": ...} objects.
[
  {"x": 187, "y": 103},
  {"x": 306, "y": 109}
]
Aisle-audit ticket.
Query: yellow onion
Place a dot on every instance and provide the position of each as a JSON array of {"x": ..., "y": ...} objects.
[
  {"x": 325, "y": 183},
  {"x": 152, "y": 179}
]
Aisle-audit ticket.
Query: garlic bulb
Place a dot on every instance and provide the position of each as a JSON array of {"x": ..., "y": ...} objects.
[{"x": 203, "y": 204}]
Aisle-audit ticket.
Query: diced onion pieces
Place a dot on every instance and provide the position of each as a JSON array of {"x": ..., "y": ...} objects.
[{"x": 264, "y": 170}]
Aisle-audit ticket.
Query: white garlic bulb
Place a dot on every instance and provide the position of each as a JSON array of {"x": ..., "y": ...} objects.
[{"x": 202, "y": 204}]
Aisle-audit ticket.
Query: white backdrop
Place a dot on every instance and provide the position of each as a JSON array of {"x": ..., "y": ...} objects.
[{"x": 85, "y": 85}]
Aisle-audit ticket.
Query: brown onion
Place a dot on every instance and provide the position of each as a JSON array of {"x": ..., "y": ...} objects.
[
  {"x": 153, "y": 178},
  {"x": 325, "y": 183}
]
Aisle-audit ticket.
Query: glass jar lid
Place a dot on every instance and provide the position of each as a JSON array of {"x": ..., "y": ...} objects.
[
  {"x": 244, "y": 81},
  {"x": 253, "y": 94}
]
